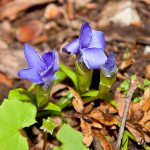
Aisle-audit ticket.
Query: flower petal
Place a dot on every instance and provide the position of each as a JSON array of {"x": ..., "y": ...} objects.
[
  {"x": 85, "y": 35},
  {"x": 110, "y": 65},
  {"x": 48, "y": 76},
  {"x": 48, "y": 58},
  {"x": 98, "y": 40},
  {"x": 93, "y": 57},
  {"x": 72, "y": 47},
  {"x": 32, "y": 74},
  {"x": 55, "y": 62},
  {"x": 33, "y": 58}
]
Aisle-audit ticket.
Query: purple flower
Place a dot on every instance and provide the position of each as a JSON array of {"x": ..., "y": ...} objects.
[
  {"x": 110, "y": 67},
  {"x": 89, "y": 47},
  {"x": 41, "y": 69}
]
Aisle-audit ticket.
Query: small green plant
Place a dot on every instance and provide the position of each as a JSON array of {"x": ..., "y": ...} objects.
[{"x": 124, "y": 87}]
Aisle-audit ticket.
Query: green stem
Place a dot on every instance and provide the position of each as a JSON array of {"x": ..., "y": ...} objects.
[
  {"x": 31, "y": 87},
  {"x": 66, "y": 100}
]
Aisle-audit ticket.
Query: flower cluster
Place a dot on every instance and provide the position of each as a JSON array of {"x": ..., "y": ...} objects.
[{"x": 89, "y": 49}]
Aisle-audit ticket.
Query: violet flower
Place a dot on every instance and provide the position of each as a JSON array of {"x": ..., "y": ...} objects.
[
  {"x": 110, "y": 68},
  {"x": 41, "y": 69},
  {"x": 89, "y": 47}
]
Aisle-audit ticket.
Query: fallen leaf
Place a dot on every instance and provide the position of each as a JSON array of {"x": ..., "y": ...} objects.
[
  {"x": 87, "y": 132},
  {"x": 29, "y": 31},
  {"x": 147, "y": 71},
  {"x": 77, "y": 101},
  {"x": 11, "y": 61},
  {"x": 126, "y": 63},
  {"x": 137, "y": 132},
  {"x": 104, "y": 118},
  {"x": 105, "y": 144},
  {"x": 51, "y": 11},
  {"x": 5, "y": 80},
  {"x": 11, "y": 10},
  {"x": 106, "y": 107}
]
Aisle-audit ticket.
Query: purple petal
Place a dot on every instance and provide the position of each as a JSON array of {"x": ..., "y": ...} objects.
[
  {"x": 32, "y": 74},
  {"x": 72, "y": 47},
  {"x": 93, "y": 57},
  {"x": 55, "y": 62},
  {"x": 110, "y": 64},
  {"x": 98, "y": 40},
  {"x": 33, "y": 58},
  {"x": 48, "y": 76},
  {"x": 85, "y": 35},
  {"x": 48, "y": 58}
]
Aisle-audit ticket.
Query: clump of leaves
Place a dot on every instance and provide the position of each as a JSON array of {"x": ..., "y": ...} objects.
[{"x": 124, "y": 87}]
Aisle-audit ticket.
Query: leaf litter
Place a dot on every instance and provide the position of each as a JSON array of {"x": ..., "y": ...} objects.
[{"x": 97, "y": 120}]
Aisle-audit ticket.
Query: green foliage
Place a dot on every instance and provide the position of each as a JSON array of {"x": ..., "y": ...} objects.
[
  {"x": 71, "y": 74},
  {"x": 109, "y": 99},
  {"x": 125, "y": 140},
  {"x": 42, "y": 95},
  {"x": 70, "y": 139},
  {"x": 21, "y": 94},
  {"x": 124, "y": 87},
  {"x": 52, "y": 107},
  {"x": 15, "y": 115},
  {"x": 127, "y": 53},
  {"x": 48, "y": 125},
  {"x": 65, "y": 100},
  {"x": 84, "y": 77},
  {"x": 90, "y": 93},
  {"x": 60, "y": 76}
]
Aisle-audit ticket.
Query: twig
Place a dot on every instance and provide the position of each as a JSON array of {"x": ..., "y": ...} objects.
[
  {"x": 133, "y": 85},
  {"x": 45, "y": 140}
]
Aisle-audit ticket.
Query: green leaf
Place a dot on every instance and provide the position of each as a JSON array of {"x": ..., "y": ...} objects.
[
  {"x": 15, "y": 115},
  {"x": 70, "y": 139},
  {"x": 109, "y": 99},
  {"x": 146, "y": 82},
  {"x": 125, "y": 140},
  {"x": 124, "y": 86},
  {"x": 48, "y": 125},
  {"x": 65, "y": 100},
  {"x": 71, "y": 74},
  {"x": 60, "y": 76},
  {"x": 22, "y": 94},
  {"x": 90, "y": 93},
  {"x": 52, "y": 107},
  {"x": 137, "y": 99},
  {"x": 133, "y": 77}
]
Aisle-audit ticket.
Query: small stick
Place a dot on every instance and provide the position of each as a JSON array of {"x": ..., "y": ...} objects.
[
  {"x": 133, "y": 86},
  {"x": 45, "y": 140}
]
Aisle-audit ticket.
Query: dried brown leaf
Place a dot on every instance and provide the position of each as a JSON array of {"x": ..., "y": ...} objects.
[
  {"x": 106, "y": 107},
  {"x": 126, "y": 63},
  {"x": 104, "y": 118},
  {"x": 87, "y": 132},
  {"x": 105, "y": 144},
  {"x": 12, "y": 9},
  {"x": 138, "y": 133},
  {"x": 51, "y": 11},
  {"x": 29, "y": 31},
  {"x": 77, "y": 101}
]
